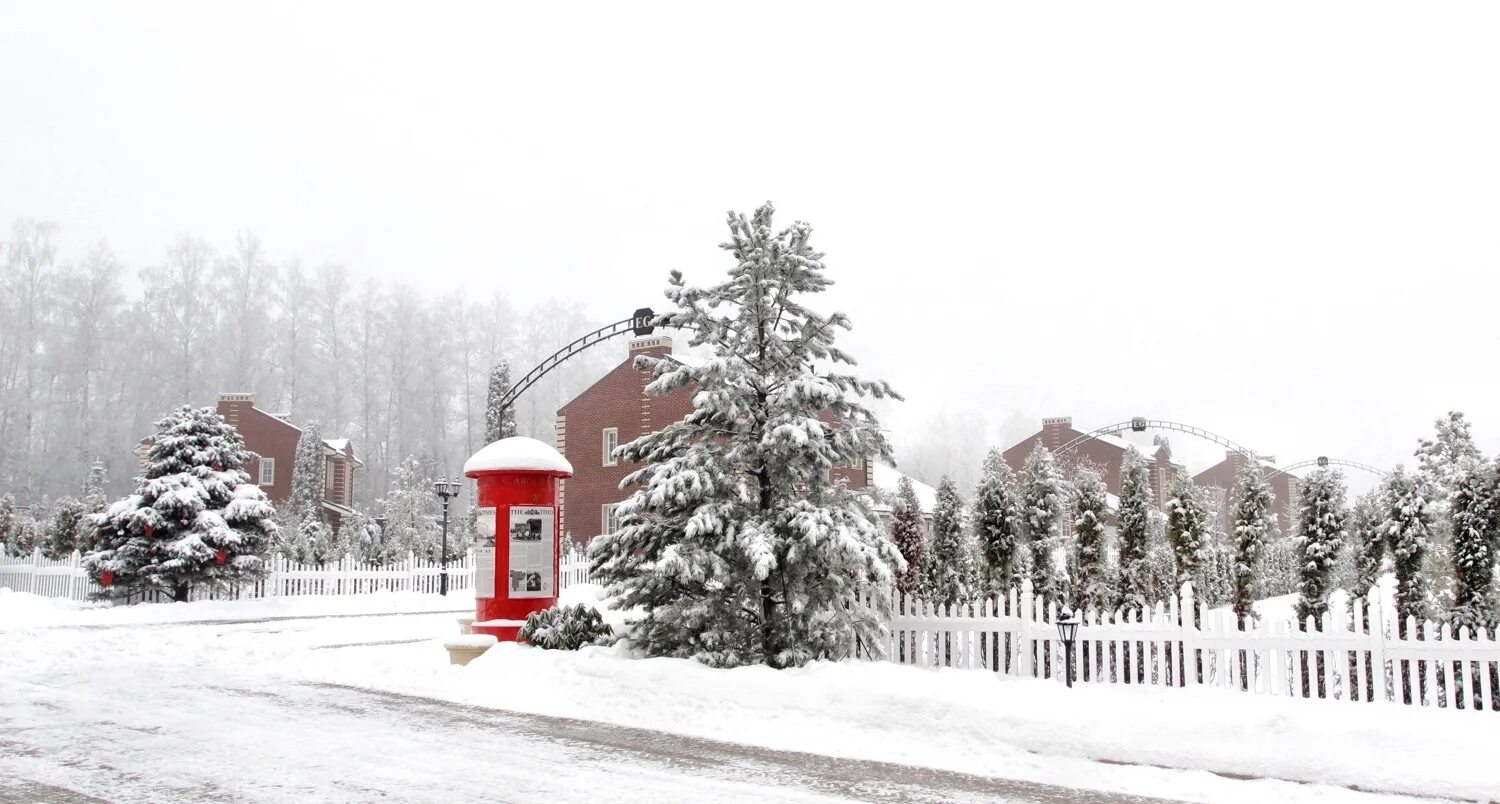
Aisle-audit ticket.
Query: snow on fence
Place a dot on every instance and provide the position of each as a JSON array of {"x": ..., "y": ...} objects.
[
  {"x": 66, "y": 578},
  {"x": 1355, "y": 655}
]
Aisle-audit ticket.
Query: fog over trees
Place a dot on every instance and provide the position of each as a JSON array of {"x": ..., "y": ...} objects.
[{"x": 93, "y": 351}]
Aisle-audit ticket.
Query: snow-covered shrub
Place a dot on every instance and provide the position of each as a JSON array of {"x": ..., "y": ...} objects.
[{"x": 566, "y": 628}]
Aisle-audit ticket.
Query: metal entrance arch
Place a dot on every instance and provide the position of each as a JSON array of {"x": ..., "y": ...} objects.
[
  {"x": 1140, "y": 424},
  {"x": 1323, "y": 460},
  {"x": 640, "y": 322}
]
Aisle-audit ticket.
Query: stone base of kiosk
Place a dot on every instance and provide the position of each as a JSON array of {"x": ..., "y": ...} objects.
[
  {"x": 466, "y": 649},
  {"x": 503, "y": 630},
  {"x": 466, "y": 625}
]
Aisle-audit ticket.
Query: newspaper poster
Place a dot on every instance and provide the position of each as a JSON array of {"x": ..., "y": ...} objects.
[
  {"x": 532, "y": 532},
  {"x": 484, "y": 525},
  {"x": 484, "y": 571}
]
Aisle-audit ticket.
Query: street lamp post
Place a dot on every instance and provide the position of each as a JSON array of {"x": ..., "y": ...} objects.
[
  {"x": 447, "y": 489},
  {"x": 1067, "y": 630}
]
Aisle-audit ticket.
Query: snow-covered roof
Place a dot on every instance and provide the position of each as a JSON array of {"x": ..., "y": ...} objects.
[
  {"x": 519, "y": 454},
  {"x": 888, "y": 480},
  {"x": 337, "y": 444}
]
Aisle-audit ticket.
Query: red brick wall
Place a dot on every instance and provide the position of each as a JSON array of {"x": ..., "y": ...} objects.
[
  {"x": 1058, "y": 432},
  {"x": 619, "y": 400},
  {"x": 1222, "y": 476},
  {"x": 266, "y": 436}
]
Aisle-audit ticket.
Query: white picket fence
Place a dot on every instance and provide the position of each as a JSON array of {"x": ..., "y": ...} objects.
[
  {"x": 66, "y": 578},
  {"x": 1348, "y": 655}
]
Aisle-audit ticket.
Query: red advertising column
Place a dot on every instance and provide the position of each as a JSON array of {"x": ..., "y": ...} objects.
[{"x": 516, "y": 560}]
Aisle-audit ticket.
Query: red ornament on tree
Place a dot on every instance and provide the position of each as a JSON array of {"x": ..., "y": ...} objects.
[
  {"x": 150, "y": 529},
  {"x": 218, "y": 467},
  {"x": 223, "y": 556},
  {"x": 107, "y": 578}
]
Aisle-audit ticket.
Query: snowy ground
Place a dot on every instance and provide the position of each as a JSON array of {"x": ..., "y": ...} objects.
[{"x": 189, "y": 701}]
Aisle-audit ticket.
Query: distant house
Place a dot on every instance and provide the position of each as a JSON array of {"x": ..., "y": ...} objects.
[
  {"x": 274, "y": 441},
  {"x": 1221, "y": 477},
  {"x": 1106, "y": 452},
  {"x": 616, "y": 410}
]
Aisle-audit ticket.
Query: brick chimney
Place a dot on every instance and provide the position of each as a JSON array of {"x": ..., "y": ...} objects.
[
  {"x": 654, "y": 345},
  {"x": 1055, "y": 432},
  {"x": 233, "y": 407}
]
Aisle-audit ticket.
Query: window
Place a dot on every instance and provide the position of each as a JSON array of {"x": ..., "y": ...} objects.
[
  {"x": 267, "y": 471},
  {"x": 609, "y": 518},
  {"x": 858, "y": 464},
  {"x": 611, "y": 440}
]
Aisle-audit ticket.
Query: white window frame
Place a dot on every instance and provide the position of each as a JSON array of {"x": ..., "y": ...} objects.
[
  {"x": 604, "y": 439},
  {"x": 606, "y": 513},
  {"x": 267, "y": 472}
]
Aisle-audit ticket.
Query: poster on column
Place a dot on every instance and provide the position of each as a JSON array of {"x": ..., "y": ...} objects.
[
  {"x": 484, "y": 552},
  {"x": 532, "y": 532}
]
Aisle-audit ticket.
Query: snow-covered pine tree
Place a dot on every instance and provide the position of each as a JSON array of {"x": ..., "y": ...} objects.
[
  {"x": 998, "y": 524},
  {"x": 360, "y": 536},
  {"x": 95, "y": 487},
  {"x": 1443, "y": 458},
  {"x": 195, "y": 518},
  {"x": 306, "y": 501},
  {"x": 735, "y": 543},
  {"x": 8, "y": 526},
  {"x": 1041, "y": 507},
  {"x": 411, "y": 511},
  {"x": 906, "y": 533},
  {"x": 1475, "y": 513},
  {"x": 1320, "y": 535},
  {"x": 949, "y": 574},
  {"x": 65, "y": 531},
  {"x": 1090, "y": 509},
  {"x": 1367, "y": 541},
  {"x": 1135, "y": 531},
  {"x": 1408, "y": 532},
  {"x": 1253, "y": 499},
  {"x": 499, "y": 420},
  {"x": 1187, "y": 526}
]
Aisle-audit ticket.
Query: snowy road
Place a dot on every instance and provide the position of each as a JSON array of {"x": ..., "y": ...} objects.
[{"x": 85, "y": 714}]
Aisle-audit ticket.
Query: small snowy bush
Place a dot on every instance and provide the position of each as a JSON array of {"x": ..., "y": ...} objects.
[{"x": 566, "y": 628}]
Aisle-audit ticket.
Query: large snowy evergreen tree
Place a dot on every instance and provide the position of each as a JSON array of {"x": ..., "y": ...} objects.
[
  {"x": 499, "y": 420},
  {"x": 1321, "y": 522},
  {"x": 195, "y": 518},
  {"x": 736, "y": 544},
  {"x": 906, "y": 533},
  {"x": 1408, "y": 532},
  {"x": 412, "y": 513},
  {"x": 998, "y": 524},
  {"x": 1187, "y": 526},
  {"x": 305, "y": 536},
  {"x": 1041, "y": 508},
  {"x": 1444, "y": 457},
  {"x": 949, "y": 575},
  {"x": 1090, "y": 509},
  {"x": 1135, "y": 531},
  {"x": 1475, "y": 514},
  {"x": 1367, "y": 539},
  {"x": 66, "y": 531},
  {"x": 1253, "y": 499}
]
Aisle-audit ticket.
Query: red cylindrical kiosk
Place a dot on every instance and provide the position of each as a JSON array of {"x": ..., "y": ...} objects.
[{"x": 516, "y": 560}]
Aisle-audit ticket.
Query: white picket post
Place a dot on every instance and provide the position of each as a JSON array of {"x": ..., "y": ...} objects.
[
  {"x": 1028, "y": 669},
  {"x": 1189, "y": 637}
]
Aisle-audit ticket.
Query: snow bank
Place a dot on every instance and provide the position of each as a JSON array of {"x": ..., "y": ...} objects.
[
  {"x": 974, "y": 721},
  {"x": 518, "y": 453},
  {"x": 19, "y": 610}
]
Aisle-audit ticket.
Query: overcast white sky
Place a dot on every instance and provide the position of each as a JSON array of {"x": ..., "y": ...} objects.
[{"x": 1277, "y": 221}]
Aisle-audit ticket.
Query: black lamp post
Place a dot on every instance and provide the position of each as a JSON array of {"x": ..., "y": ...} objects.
[
  {"x": 1067, "y": 630},
  {"x": 447, "y": 489}
]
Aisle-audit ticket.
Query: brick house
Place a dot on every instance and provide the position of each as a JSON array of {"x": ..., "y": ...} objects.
[
  {"x": 617, "y": 410},
  {"x": 1105, "y": 452},
  {"x": 274, "y": 441},
  {"x": 1221, "y": 477}
]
